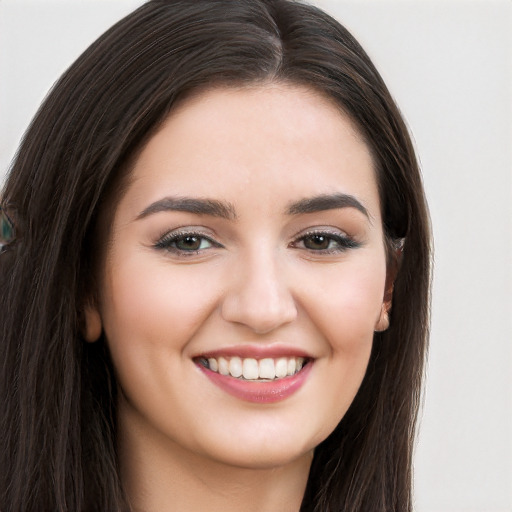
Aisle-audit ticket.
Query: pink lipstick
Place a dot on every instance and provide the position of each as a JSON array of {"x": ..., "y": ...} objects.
[{"x": 261, "y": 376}]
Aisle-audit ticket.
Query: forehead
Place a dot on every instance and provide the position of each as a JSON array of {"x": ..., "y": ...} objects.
[{"x": 275, "y": 140}]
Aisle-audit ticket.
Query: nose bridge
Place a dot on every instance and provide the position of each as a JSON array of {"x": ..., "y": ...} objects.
[{"x": 260, "y": 296}]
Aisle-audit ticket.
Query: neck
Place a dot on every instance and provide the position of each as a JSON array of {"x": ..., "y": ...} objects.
[{"x": 160, "y": 475}]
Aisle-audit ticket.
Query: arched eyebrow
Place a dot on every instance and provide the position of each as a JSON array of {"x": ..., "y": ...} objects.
[
  {"x": 225, "y": 210},
  {"x": 326, "y": 202},
  {"x": 197, "y": 206}
]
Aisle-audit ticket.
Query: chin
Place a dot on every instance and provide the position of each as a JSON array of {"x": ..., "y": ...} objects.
[{"x": 263, "y": 458}]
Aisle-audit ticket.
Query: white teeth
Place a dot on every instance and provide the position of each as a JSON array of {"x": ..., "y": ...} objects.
[
  {"x": 223, "y": 366},
  {"x": 251, "y": 369},
  {"x": 267, "y": 369},
  {"x": 291, "y": 367},
  {"x": 235, "y": 367},
  {"x": 281, "y": 367}
]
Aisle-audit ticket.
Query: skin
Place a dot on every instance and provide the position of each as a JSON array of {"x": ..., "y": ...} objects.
[{"x": 260, "y": 282}]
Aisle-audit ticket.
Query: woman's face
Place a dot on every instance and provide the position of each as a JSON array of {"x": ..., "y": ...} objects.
[{"x": 244, "y": 277}]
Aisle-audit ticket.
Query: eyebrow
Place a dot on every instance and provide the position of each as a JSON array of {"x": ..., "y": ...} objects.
[
  {"x": 326, "y": 202},
  {"x": 226, "y": 210},
  {"x": 191, "y": 205}
]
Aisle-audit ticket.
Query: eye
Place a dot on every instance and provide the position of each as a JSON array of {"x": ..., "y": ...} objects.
[
  {"x": 184, "y": 242},
  {"x": 324, "y": 242},
  {"x": 318, "y": 242}
]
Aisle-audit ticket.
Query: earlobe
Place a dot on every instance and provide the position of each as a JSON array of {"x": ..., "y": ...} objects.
[
  {"x": 383, "y": 321},
  {"x": 93, "y": 326}
]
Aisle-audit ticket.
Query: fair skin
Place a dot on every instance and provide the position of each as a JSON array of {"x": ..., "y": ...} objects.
[{"x": 250, "y": 228}]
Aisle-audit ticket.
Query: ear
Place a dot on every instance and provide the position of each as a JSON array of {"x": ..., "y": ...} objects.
[
  {"x": 382, "y": 323},
  {"x": 93, "y": 325}
]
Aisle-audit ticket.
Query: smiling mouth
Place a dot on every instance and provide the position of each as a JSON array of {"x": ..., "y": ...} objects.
[{"x": 251, "y": 369}]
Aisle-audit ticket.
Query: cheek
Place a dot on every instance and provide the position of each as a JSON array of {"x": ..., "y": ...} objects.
[
  {"x": 344, "y": 310},
  {"x": 156, "y": 305},
  {"x": 150, "y": 315},
  {"x": 345, "y": 304}
]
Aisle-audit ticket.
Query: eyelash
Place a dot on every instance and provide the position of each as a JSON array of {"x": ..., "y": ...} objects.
[{"x": 168, "y": 242}]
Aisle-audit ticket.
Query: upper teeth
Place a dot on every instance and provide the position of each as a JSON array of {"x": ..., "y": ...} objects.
[{"x": 254, "y": 369}]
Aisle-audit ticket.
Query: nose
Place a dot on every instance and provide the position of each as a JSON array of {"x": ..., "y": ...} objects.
[{"x": 259, "y": 297}]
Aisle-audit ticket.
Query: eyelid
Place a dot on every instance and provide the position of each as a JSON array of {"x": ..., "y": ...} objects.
[
  {"x": 322, "y": 230},
  {"x": 185, "y": 230},
  {"x": 328, "y": 230}
]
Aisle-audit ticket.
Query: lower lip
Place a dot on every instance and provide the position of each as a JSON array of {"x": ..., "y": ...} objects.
[{"x": 260, "y": 392}]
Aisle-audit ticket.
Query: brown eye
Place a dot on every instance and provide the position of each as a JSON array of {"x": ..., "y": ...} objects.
[
  {"x": 317, "y": 242},
  {"x": 183, "y": 243},
  {"x": 189, "y": 243},
  {"x": 326, "y": 243}
]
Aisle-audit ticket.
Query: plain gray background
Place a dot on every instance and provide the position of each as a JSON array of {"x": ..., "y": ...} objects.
[{"x": 449, "y": 65}]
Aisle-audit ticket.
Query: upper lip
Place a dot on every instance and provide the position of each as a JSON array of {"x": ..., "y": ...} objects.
[{"x": 256, "y": 352}]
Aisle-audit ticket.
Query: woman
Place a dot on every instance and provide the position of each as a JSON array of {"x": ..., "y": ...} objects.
[{"x": 215, "y": 273}]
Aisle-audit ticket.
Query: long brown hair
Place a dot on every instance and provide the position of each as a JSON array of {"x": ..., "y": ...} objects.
[{"x": 57, "y": 393}]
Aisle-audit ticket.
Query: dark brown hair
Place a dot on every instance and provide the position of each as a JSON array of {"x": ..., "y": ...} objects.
[{"x": 57, "y": 393}]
